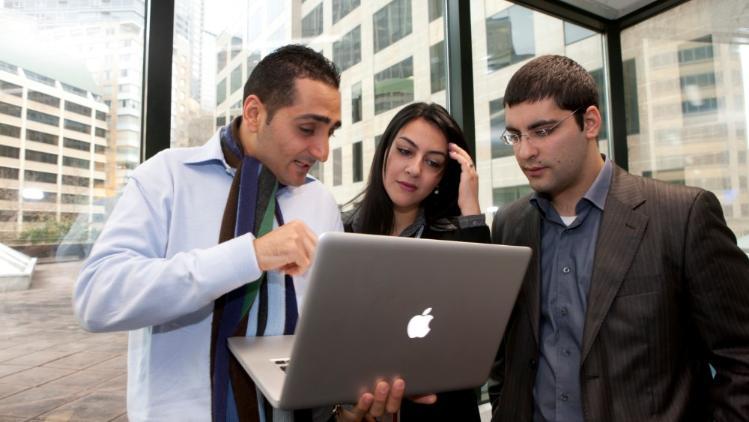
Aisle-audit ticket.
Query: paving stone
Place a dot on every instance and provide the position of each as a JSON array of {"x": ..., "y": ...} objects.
[{"x": 50, "y": 368}]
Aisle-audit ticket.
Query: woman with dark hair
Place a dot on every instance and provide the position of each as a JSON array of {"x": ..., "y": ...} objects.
[{"x": 423, "y": 183}]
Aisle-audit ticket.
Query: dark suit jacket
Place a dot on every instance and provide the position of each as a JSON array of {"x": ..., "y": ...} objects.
[{"x": 669, "y": 295}]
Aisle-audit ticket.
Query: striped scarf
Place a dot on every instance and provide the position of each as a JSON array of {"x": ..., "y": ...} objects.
[{"x": 250, "y": 208}]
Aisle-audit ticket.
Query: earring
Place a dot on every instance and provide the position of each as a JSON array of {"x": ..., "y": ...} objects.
[{"x": 437, "y": 190}]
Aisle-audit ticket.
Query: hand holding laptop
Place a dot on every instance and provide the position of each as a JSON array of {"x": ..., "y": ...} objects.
[
  {"x": 385, "y": 399},
  {"x": 289, "y": 248}
]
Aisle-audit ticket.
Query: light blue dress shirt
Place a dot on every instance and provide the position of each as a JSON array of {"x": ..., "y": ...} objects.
[{"x": 157, "y": 268}]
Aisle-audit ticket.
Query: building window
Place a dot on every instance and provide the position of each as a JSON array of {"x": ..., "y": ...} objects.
[
  {"x": 312, "y": 22},
  {"x": 598, "y": 76},
  {"x": 39, "y": 78},
  {"x": 342, "y": 8},
  {"x": 11, "y": 131},
  {"x": 8, "y": 194},
  {"x": 497, "y": 125},
  {"x": 236, "y": 79},
  {"x": 77, "y": 108},
  {"x": 75, "y": 180},
  {"x": 357, "y": 162},
  {"x": 8, "y": 173},
  {"x": 509, "y": 37},
  {"x": 75, "y": 144},
  {"x": 77, "y": 126},
  {"x": 574, "y": 33},
  {"x": 220, "y": 60},
  {"x": 10, "y": 152},
  {"x": 221, "y": 91},
  {"x": 40, "y": 176},
  {"x": 337, "y": 167},
  {"x": 347, "y": 50},
  {"x": 356, "y": 102},
  {"x": 74, "y": 90},
  {"x": 394, "y": 86},
  {"x": 100, "y": 149},
  {"x": 100, "y": 115},
  {"x": 39, "y": 117},
  {"x": 101, "y": 133},
  {"x": 75, "y": 162},
  {"x": 437, "y": 66},
  {"x": 391, "y": 23},
  {"x": 10, "y": 109},
  {"x": 435, "y": 9},
  {"x": 69, "y": 198},
  {"x": 236, "y": 46},
  {"x": 7, "y": 67},
  {"x": 43, "y": 98},
  {"x": 632, "y": 114},
  {"x": 507, "y": 195},
  {"x": 220, "y": 121},
  {"x": 41, "y": 157},
  {"x": 45, "y": 138},
  {"x": 11, "y": 89},
  {"x": 252, "y": 61},
  {"x": 38, "y": 216}
]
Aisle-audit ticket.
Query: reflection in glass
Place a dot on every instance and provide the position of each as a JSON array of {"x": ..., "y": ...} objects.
[{"x": 686, "y": 91}]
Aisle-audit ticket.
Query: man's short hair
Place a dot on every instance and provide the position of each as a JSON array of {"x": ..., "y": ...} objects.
[
  {"x": 557, "y": 77},
  {"x": 273, "y": 78}
]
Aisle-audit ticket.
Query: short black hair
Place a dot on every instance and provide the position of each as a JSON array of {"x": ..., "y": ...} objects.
[
  {"x": 557, "y": 77},
  {"x": 376, "y": 208},
  {"x": 273, "y": 78}
]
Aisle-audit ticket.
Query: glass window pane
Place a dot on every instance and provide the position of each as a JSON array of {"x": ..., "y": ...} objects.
[
  {"x": 505, "y": 38},
  {"x": 398, "y": 66},
  {"x": 687, "y": 101},
  {"x": 70, "y": 95}
]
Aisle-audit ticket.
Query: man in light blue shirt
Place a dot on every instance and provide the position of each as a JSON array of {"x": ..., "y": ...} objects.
[{"x": 160, "y": 268}]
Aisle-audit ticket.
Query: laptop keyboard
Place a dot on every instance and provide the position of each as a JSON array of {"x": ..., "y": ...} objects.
[{"x": 281, "y": 363}]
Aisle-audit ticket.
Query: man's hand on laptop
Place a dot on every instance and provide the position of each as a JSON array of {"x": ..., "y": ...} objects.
[
  {"x": 289, "y": 248},
  {"x": 385, "y": 399}
]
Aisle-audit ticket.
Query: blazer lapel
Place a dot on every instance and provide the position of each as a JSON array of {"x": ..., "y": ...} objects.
[
  {"x": 619, "y": 236},
  {"x": 530, "y": 293}
]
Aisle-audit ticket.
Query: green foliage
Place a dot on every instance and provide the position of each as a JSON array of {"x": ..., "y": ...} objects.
[{"x": 50, "y": 232}]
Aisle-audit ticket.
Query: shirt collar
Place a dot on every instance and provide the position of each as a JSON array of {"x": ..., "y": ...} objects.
[{"x": 596, "y": 194}]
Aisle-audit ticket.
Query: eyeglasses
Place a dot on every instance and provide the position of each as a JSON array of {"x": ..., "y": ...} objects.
[{"x": 511, "y": 138}]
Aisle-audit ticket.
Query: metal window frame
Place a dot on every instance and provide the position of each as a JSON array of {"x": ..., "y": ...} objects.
[{"x": 157, "y": 67}]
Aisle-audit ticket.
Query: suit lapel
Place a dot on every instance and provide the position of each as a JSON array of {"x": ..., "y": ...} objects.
[
  {"x": 619, "y": 236},
  {"x": 530, "y": 232}
]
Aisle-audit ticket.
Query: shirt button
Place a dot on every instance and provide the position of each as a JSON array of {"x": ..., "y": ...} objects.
[
  {"x": 564, "y": 311},
  {"x": 564, "y": 397},
  {"x": 566, "y": 270}
]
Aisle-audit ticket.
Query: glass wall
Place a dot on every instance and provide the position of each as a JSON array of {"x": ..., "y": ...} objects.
[
  {"x": 385, "y": 63},
  {"x": 687, "y": 90},
  {"x": 505, "y": 36},
  {"x": 70, "y": 100}
]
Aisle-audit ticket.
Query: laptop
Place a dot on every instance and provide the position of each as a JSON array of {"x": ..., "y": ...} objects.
[{"x": 378, "y": 307}]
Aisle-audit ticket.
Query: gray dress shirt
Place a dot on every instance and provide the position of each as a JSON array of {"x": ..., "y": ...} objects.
[{"x": 567, "y": 254}]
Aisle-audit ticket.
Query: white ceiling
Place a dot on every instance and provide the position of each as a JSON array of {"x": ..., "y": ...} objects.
[{"x": 610, "y": 9}]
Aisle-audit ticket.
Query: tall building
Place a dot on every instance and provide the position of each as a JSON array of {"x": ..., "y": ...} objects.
[
  {"x": 107, "y": 36},
  {"x": 53, "y": 146}
]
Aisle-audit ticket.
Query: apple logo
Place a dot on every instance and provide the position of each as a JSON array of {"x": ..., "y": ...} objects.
[{"x": 418, "y": 326}]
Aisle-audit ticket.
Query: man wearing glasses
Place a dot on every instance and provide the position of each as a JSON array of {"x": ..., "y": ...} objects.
[{"x": 636, "y": 287}]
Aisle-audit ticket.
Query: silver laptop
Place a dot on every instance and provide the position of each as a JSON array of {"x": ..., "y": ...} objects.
[{"x": 378, "y": 307}]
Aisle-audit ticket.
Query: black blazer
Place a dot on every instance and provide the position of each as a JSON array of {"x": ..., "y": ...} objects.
[
  {"x": 455, "y": 405},
  {"x": 669, "y": 295}
]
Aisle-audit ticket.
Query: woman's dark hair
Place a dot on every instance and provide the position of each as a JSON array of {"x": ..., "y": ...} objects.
[{"x": 374, "y": 213}]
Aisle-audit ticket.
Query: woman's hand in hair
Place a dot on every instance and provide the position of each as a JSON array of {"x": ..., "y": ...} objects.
[{"x": 468, "y": 192}]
